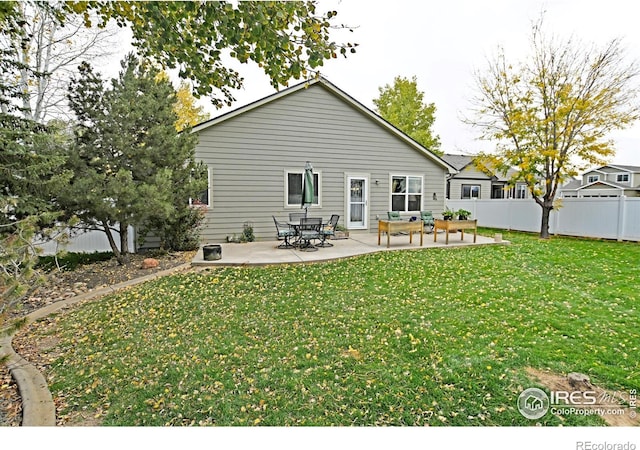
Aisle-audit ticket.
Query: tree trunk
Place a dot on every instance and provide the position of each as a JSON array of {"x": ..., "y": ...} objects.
[
  {"x": 112, "y": 243},
  {"x": 544, "y": 226},
  {"x": 124, "y": 238}
]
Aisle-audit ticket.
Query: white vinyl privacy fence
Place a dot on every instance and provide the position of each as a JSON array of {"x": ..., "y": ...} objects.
[
  {"x": 89, "y": 242},
  {"x": 596, "y": 217}
]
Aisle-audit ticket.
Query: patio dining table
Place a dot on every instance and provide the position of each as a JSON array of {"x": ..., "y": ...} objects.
[{"x": 296, "y": 224}]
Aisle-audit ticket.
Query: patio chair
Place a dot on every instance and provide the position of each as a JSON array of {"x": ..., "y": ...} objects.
[
  {"x": 285, "y": 232},
  {"x": 329, "y": 230},
  {"x": 309, "y": 230},
  {"x": 394, "y": 215},
  {"x": 294, "y": 217},
  {"x": 427, "y": 220}
]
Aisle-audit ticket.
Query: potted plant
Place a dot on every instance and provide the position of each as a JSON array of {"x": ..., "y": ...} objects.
[
  {"x": 448, "y": 214},
  {"x": 463, "y": 214},
  {"x": 340, "y": 233}
]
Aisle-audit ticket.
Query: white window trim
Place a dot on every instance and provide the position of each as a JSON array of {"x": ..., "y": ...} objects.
[
  {"x": 210, "y": 198},
  {"x": 623, "y": 174},
  {"x": 593, "y": 178},
  {"x": 407, "y": 175},
  {"x": 286, "y": 188},
  {"x": 462, "y": 197}
]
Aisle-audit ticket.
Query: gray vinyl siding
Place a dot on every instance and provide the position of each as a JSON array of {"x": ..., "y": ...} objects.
[
  {"x": 455, "y": 190},
  {"x": 469, "y": 175},
  {"x": 249, "y": 154}
]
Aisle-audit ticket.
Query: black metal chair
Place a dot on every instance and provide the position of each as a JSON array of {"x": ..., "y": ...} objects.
[
  {"x": 328, "y": 230},
  {"x": 308, "y": 231},
  {"x": 285, "y": 232}
]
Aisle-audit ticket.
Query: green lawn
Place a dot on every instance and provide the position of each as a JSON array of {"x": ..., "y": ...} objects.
[{"x": 433, "y": 336}]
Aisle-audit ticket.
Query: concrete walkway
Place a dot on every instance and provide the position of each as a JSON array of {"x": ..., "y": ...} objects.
[{"x": 265, "y": 252}]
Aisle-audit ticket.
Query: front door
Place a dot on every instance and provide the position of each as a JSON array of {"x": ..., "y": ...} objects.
[{"x": 357, "y": 203}]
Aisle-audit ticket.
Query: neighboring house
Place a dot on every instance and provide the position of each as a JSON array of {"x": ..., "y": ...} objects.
[
  {"x": 605, "y": 181},
  {"x": 470, "y": 182},
  {"x": 363, "y": 166}
]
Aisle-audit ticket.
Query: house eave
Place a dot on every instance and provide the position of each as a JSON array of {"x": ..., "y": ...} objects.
[{"x": 606, "y": 183}]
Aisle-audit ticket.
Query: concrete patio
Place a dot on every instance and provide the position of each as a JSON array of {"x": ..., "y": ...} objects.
[{"x": 265, "y": 252}]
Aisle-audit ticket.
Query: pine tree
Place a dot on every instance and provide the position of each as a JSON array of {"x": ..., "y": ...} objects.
[{"x": 128, "y": 158}]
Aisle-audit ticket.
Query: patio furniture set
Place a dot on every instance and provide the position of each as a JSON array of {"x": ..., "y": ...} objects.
[{"x": 300, "y": 231}]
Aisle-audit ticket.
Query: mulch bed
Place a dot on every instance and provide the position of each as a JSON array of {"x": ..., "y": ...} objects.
[{"x": 62, "y": 285}]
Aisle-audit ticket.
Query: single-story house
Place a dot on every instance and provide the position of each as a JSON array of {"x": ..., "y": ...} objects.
[
  {"x": 470, "y": 182},
  {"x": 363, "y": 166},
  {"x": 605, "y": 181}
]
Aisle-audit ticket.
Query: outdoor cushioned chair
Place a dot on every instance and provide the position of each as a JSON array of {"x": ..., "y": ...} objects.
[
  {"x": 285, "y": 232},
  {"x": 309, "y": 230},
  {"x": 427, "y": 220},
  {"x": 394, "y": 215},
  {"x": 328, "y": 230}
]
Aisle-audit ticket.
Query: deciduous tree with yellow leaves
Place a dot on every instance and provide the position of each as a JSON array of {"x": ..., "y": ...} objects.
[
  {"x": 189, "y": 114},
  {"x": 551, "y": 115}
]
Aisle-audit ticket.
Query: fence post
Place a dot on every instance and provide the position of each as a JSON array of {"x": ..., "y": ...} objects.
[
  {"x": 554, "y": 225},
  {"x": 622, "y": 203}
]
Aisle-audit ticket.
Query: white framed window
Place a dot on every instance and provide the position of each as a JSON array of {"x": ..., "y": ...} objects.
[
  {"x": 593, "y": 178},
  {"x": 204, "y": 198},
  {"x": 622, "y": 178},
  {"x": 406, "y": 193},
  {"x": 293, "y": 188},
  {"x": 521, "y": 191},
  {"x": 470, "y": 191}
]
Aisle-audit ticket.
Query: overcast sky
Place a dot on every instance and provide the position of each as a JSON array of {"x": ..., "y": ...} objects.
[{"x": 443, "y": 42}]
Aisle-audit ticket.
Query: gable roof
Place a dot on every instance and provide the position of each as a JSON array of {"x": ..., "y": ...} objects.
[
  {"x": 572, "y": 185},
  {"x": 633, "y": 169},
  {"x": 462, "y": 161},
  {"x": 611, "y": 184},
  {"x": 458, "y": 161},
  {"x": 324, "y": 83}
]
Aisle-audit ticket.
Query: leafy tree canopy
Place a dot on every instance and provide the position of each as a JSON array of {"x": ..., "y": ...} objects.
[
  {"x": 403, "y": 106},
  {"x": 189, "y": 114},
  {"x": 287, "y": 39}
]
